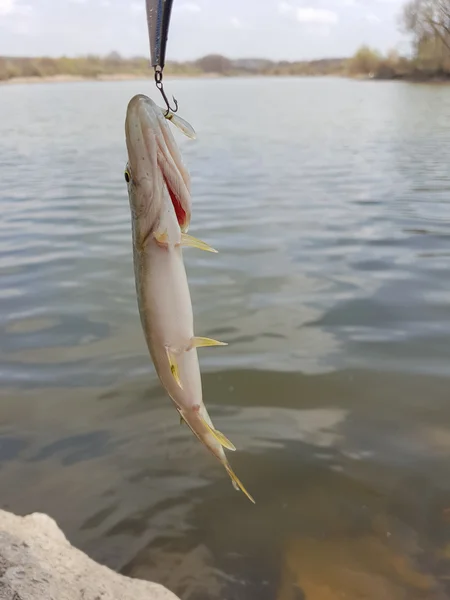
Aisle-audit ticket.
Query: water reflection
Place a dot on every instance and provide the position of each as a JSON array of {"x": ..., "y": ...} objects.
[
  {"x": 350, "y": 496},
  {"x": 331, "y": 287}
]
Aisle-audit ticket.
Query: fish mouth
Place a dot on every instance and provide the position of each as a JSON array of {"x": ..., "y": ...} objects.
[{"x": 154, "y": 157}]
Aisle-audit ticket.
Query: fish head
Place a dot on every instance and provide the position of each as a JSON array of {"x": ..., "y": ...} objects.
[{"x": 155, "y": 173}]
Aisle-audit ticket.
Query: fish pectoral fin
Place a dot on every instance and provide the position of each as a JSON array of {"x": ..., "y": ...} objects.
[
  {"x": 173, "y": 366},
  {"x": 182, "y": 124},
  {"x": 237, "y": 484},
  {"x": 204, "y": 342},
  {"x": 223, "y": 441},
  {"x": 192, "y": 242}
]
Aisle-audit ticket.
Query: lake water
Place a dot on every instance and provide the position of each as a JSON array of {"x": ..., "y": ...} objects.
[{"x": 329, "y": 203}]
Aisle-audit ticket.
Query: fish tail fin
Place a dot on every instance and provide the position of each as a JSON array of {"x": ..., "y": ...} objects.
[{"x": 218, "y": 452}]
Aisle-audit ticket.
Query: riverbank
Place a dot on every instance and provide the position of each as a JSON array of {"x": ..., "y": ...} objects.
[
  {"x": 37, "y": 561},
  {"x": 415, "y": 78},
  {"x": 407, "y": 78},
  {"x": 365, "y": 64},
  {"x": 116, "y": 77}
]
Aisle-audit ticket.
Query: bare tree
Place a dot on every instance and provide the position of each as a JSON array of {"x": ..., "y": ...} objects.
[{"x": 427, "y": 19}]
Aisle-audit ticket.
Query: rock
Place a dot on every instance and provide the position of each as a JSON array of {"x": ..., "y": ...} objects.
[{"x": 37, "y": 562}]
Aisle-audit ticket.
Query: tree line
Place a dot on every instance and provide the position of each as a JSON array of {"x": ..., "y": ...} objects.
[
  {"x": 99, "y": 67},
  {"x": 426, "y": 22}
]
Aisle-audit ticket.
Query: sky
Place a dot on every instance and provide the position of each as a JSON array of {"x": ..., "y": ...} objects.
[{"x": 273, "y": 29}]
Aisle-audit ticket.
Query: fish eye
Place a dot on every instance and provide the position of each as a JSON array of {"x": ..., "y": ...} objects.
[{"x": 127, "y": 175}]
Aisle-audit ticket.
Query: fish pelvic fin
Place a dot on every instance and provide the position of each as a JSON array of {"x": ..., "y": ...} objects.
[
  {"x": 192, "y": 242},
  {"x": 204, "y": 342},
  {"x": 174, "y": 366},
  {"x": 237, "y": 484},
  {"x": 162, "y": 238},
  {"x": 218, "y": 435}
]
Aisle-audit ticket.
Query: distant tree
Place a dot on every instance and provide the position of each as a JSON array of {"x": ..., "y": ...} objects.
[
  {"x": 114, "y": 61},
  {"x": 114, "y": 57},
  {"x": 365, "y": 61},
  {"x": 48, "y": 66},
  {"x": 215, "y": 63}
]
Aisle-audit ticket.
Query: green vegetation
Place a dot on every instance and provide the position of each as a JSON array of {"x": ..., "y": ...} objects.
[
  {"x": 88, "y": 66},
  {"x": 93, "y": 67},
  {"x": 427, "y": 22},
  {"x": 369, "y": 62}
]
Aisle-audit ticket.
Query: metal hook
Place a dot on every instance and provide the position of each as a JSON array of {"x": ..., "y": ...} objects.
[{"x": 159, "y": 85}]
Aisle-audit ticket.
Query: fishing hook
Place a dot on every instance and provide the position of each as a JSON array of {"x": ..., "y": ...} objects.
[{"x": 159, "y": 85}]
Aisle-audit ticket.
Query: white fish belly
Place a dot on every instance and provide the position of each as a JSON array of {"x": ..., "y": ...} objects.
[{"x": 167, "y": 319}]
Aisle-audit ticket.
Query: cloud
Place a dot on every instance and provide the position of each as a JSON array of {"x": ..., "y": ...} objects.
[
  {"x": 212, "y": 24},
  {"x": 316, "y": 16},
  {"x": 188, "y": 7},
  {"x": 371, "y": 18},
  {"x": 9, "y": 7},
  {"x": 309, "y": 15},
  {"x": 284, "y": 8},
  {"x": 12, "y": 8},
  {"x": 364, "y": 3},
  {"x": 16, "y": 18},
  {"x": 137, "y": 7},
  {"x": 236, "y": 23}
]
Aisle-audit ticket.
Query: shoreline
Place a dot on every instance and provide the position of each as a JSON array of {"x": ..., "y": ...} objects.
[
  {"x": 437, "y": 80},
  {"x": 38, "y": 561},
  {"x": 100, "y": 78}
]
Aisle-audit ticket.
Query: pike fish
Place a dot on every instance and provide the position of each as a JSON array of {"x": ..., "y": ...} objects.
[{"x": 160, "y": 204}]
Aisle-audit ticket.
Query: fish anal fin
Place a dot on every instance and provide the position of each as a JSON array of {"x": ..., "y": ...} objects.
[
  {"x": 237, "y": 484},
  {"x": 192, "y": 242},
  {"x": 204, "y": 342},
  {"x": 174, "y": 366},
  {"x": 218, "y": 435},
  {"x": 224, "y": 440}
]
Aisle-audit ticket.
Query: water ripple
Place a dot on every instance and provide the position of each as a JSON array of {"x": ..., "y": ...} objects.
[{"x": 332, "y": 223}]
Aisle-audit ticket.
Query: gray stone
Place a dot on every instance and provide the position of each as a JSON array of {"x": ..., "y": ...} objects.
[{"x": 37, "y": 562}]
